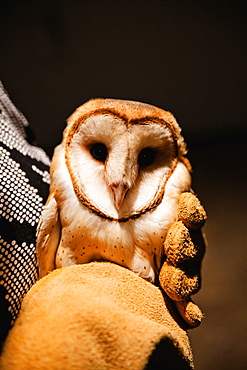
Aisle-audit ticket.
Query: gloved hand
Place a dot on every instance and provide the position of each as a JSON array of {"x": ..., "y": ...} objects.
[{"x": 184, "y": 249}]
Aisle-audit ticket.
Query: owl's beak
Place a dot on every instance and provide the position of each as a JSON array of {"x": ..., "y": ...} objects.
[{"x": 119, "y": 191}]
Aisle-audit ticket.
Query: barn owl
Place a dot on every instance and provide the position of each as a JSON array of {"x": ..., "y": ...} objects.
[{"x": 116, "y": 179}]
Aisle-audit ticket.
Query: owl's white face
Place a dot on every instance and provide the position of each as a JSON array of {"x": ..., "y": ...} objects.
[
  {"x": 119, "y": 169},
  {"x": 116, "y": 179}
]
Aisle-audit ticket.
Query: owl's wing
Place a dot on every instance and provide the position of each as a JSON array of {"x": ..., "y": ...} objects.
[{"x": 48, "y": 236}]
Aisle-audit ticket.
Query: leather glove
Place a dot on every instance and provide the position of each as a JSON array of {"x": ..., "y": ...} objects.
[{"x": 184, "y": 248}]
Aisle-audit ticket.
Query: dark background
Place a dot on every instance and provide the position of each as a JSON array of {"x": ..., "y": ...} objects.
[{"x": 189, "y": 57}]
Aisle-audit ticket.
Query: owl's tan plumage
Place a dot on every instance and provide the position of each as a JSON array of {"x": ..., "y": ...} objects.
[{"x": 116, "y": 179}]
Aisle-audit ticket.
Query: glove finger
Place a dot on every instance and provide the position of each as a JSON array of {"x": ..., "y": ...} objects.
[
  {"x": 184, "y": 246},
  {"x": 190, "y": 313},
  {"x": 177, "y": 283},
  {"x": 190, "y": 211},
  {"x": 178, "y": 245}
]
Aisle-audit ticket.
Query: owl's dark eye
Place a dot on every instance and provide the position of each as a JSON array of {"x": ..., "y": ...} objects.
[
  {"x": 99, "y": 152},
  {"x": 146, "y": 157}
]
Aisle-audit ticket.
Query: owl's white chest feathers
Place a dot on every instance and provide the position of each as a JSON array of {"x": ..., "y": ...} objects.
[{"x": 136, "y": 243}]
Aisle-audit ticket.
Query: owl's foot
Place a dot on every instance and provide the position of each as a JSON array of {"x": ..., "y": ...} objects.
[{"x": 141, "y": 267}]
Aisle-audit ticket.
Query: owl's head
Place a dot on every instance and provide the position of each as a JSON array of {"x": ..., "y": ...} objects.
[{"x": 120, "y": 155}]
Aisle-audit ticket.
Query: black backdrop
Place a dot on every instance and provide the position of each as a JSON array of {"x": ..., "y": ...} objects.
[{"x": 188, "y": 57}]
